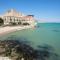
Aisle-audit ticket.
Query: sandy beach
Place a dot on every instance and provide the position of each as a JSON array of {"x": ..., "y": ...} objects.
[
  {"x": 8, "y": 29},
  {"x": 5, "y": 58}
]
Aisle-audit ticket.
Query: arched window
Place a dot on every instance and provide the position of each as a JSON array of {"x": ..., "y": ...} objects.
[{"x": 10, "y": 19}]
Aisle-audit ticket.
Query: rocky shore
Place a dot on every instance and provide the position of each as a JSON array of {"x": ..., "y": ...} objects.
[
  {"x": 15, "y": 50},
  {"x": 22, "y": 50}
]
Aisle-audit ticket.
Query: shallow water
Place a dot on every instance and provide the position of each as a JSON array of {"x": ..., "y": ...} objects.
[{"x": 45, "y": 33}]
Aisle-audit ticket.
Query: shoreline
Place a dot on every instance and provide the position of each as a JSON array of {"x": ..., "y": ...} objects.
[
  {"x": 10, "y": 29},
  {"x": 4, "y": 58}
]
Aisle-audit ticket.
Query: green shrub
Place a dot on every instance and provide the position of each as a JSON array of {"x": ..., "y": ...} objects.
[{"x": 1, "y": 21}]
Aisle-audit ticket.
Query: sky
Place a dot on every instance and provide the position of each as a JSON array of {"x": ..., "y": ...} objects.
[{"x": 43, "y": 10}]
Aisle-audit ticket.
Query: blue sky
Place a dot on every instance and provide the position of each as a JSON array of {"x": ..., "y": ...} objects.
[{"x": 44, "y": 10}]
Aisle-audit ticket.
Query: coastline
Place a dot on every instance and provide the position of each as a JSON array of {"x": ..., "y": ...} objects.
[
  {"x": 4, "y": 58},
  {"x": 10, "y": 29}
]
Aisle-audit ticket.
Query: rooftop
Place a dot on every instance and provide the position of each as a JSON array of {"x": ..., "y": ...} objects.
[{"x": 13, "y": 12}]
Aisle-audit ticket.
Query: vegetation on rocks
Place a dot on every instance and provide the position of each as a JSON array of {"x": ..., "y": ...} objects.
[
  {"x": 18, "y": 49},
  {"x": 1, "y": 21}
]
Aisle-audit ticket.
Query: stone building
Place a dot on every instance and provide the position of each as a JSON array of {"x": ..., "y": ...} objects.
[{"x": 12, "y": 16}]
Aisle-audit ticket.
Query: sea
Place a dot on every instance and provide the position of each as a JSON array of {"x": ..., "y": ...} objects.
[{"x": 42, "y": 34}]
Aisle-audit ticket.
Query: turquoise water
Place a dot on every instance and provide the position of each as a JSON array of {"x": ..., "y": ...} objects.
[{"x": 45, "y": 33}]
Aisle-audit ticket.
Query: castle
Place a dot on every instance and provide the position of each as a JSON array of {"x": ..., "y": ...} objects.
[{"x": 12, "y": 16}]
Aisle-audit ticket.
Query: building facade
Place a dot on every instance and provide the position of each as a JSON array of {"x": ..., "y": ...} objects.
[{"x": 12, "y": 16}]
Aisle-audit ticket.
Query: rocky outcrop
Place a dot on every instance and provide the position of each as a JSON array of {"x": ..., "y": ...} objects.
[
  {"x": 21, "y": 50},
  {"x": 14, "y": 49}
]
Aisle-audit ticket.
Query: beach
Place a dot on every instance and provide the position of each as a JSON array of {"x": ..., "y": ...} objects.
[
  {"x": 43, "y": 35},
  {"x": 5, "y": 58},
  {"x": 9, "y": 29}
]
